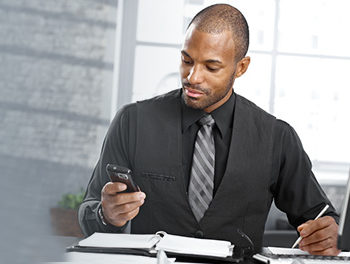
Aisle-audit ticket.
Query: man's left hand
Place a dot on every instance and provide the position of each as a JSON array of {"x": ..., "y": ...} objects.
[{"x": 319, "y": 236}]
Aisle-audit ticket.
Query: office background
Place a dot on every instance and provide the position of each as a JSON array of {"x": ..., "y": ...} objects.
[{"x": 67, "y": 66}]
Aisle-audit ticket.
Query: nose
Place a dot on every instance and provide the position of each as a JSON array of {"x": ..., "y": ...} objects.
[{"x": 195, "y": 76}]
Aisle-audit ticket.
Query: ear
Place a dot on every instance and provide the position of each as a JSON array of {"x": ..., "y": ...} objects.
[{"x": 242, "y": 66}]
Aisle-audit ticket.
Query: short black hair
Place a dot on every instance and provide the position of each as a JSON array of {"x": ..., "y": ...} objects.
[{"x": 220, "y": 17}]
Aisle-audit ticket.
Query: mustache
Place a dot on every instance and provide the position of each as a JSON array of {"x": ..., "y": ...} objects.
[{"x": 197, "y": 87}]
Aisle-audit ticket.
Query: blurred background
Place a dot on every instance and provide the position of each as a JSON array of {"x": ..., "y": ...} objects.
[{"x": 67, "y": 66}]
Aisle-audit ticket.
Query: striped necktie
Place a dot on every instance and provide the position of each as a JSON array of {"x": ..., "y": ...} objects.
[{"x": 200, "y": 190}]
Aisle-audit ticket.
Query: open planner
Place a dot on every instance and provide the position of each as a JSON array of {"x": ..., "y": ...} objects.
[{"x": 148, "y": 245}]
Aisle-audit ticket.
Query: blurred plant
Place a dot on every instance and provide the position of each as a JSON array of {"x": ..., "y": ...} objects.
[{"x": 72, "y": 200}]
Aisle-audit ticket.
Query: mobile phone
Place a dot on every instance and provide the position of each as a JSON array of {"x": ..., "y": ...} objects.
[{"x": 121, "y": 174}]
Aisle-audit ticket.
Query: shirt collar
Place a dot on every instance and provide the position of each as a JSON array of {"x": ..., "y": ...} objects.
[{"x": 222, "y": 115}]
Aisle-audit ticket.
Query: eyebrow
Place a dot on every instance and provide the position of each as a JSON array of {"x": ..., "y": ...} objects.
[
  {"x": 213, "y": 61},
  {"x": 207, "y": 61},
  {"x": 185, "y": 53}
]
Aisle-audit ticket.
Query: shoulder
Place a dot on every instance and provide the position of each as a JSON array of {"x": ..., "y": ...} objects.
[
  {"x": 129, "y": 113},
  {"x": 163, "y": 99},
  {"x": 287, "y": 134},
  {"x": 124, "y": 113},
  {"x": 251, "y": 109},
  {"x": 161, "y": 107},
  {"x": 129, "y": 110},
  {"x": 281, "y": 128}
]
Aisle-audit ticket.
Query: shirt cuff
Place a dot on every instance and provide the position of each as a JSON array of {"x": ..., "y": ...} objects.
[{"x": 104, "y": 225}]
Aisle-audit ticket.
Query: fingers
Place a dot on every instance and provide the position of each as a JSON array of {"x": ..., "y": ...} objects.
[
  {"x": 326, "y": 247},
  {"x": 312, "y": 226},
  {"x": 317, "y": 245},
  {"x": 123, "y": 198},
  {"x": 128, "y": 207},
  {"x": 118, "y": 208},
  {"x": 319, "y": 236},
  {"x": 332, "y": 251},
  {"x": 123, "y": 218},
  {"x": 122, "y": 207},
  {"x": 112, "y": 188}
]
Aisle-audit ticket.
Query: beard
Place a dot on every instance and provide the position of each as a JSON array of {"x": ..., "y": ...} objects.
[{"x": 208, "y": 98}]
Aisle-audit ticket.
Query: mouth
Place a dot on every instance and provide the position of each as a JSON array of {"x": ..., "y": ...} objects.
[{"x": 192, "y": 92}]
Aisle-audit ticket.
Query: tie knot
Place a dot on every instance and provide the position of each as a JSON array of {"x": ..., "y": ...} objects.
[{"x": 206, "y": 120}]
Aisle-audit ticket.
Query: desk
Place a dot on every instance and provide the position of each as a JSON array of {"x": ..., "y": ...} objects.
[{"x": 101, "y": 258}]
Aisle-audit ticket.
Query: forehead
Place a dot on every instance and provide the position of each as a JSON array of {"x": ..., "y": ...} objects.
[{"x": 199, "y": 44}]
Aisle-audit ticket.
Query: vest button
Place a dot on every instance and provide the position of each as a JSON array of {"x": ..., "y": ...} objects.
[{"x": 199, "y": 234}]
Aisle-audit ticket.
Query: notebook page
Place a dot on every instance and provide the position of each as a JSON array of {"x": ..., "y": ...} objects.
[
  {"x": 287, "y": 251},
  {"x": 110, "y": 240},
  {"x": 195, "y": 246}
]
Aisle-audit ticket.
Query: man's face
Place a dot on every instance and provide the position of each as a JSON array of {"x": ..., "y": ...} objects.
[{"x": 207, "y": 68}]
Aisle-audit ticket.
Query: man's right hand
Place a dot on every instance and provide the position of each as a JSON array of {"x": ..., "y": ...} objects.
[{"x": 118, "y": 208}]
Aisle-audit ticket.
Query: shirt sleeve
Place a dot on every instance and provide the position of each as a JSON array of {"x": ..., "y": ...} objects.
[
  {"x": 296, "y": 190},
  {"x": 115, "y": 150}
]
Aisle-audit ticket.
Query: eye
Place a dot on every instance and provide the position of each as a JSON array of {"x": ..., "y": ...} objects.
[
  {"x": 186, "y": 61},
  {"x": 211, "y": 69}
]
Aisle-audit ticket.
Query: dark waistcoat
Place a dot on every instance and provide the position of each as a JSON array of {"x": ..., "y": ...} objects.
[{"x": 243, "y": 198}]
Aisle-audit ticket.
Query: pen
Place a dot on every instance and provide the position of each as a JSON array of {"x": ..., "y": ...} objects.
[{"x": 318, "y": 216}]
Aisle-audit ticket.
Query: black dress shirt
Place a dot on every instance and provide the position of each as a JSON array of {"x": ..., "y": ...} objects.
[{"x": 222, "y": 131}]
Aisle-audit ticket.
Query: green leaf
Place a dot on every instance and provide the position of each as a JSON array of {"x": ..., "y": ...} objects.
[{"x": 72, "y": 200}]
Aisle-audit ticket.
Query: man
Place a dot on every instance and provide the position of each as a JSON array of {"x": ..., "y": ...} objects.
[{"x": 209, "y": 161}]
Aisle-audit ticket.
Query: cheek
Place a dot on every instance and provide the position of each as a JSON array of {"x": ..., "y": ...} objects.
[
  {"x": 218, "y": 85},
  {"x": 217, "y": 82},
  {"x": 226, "y": 80}
]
